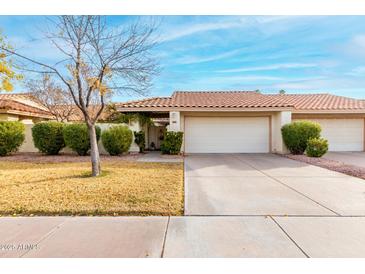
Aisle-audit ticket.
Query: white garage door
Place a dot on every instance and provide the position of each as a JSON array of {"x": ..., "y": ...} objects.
[
  {"x": 343, "y": 134},
  {"x": 226, "y": 134}
]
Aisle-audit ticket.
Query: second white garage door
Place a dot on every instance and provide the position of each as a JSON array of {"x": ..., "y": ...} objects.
[
  {"x": 226, "y": 134},
  {"x": 343, "y": 134}
]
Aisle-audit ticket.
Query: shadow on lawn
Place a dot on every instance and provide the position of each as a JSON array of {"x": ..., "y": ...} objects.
[{"x": 83, "y": 175}]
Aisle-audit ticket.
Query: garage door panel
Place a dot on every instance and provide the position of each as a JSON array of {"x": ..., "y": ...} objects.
[
  {"x": 226, "y": 134},
  {"x": 343, "y": 134}
]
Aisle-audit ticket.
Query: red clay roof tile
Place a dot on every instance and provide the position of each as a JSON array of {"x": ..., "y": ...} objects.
[
  {"x": 321, "y": 101},
  {"x": 248, "y": 99},
  {"x": 230, "y": 99},
  {"x": 18, "y": 102}
]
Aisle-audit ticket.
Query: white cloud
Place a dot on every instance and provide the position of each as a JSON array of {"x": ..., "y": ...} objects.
[
  {"x": 359, "y": 41},
  {"x": 277, "y": 18},
  {"x": 199, "y": 59},
  {"x": 227, "y": 23},
  {"x": 189, "y": 29},
  {"x": 256, "y": 78},
  {"x": 355, "y": 47},
  {"x": 358, "y": 71},
  {"x": 222, "y": 81},
  {"x": 39, "y": 49},
  {"x": 318, "y": 83},
  {"x": 271, "y": 67}
]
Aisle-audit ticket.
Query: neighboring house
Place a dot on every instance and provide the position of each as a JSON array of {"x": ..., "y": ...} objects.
[
  {"x": 21, "y": 107},
  {"x": 76, "y": 115},
  {"x": 245, "y": 121}
]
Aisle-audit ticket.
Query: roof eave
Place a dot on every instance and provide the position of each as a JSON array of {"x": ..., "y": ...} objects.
[
  {"x": 329, "y": 111},
  {"x": 25, "y": 113},
  {"x": 200, "y": 109}
]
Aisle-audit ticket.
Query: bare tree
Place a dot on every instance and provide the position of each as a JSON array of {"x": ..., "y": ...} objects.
[
  {"x": 52, "y": 96},
  {"x": 100, "y": 59}
]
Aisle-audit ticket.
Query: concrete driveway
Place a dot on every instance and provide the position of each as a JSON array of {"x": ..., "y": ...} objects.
[
  {"x": 349, "y": 158},
  {"x": 267, "y": 184}
]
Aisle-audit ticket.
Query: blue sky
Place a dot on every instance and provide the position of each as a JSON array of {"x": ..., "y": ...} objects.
[{"x": 301, "y": 54}]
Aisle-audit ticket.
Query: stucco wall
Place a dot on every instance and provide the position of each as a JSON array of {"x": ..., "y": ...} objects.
[
  {"x": 278, "y": 120},
  {"x": 8, "y": 117},
  {"x": 28, "y": 145}
]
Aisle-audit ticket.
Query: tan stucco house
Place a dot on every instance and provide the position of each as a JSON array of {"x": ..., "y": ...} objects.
[
  {"x": 249, "y": 121},
  {"x": 225, "y": 121},
  {"x": 24, "y": 107},
  {"x": 21, "y": 107}
]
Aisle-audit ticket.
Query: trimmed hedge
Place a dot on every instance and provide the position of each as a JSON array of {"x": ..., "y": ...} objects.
[
  {"x": 317, "y": 147},
  {"x": 77, "y": 138},
  {"x": 296, "y": 135},
  {"x": 139, "y": 139},
  {"x": 172, "y": 142},
  {"x": 48, "y": 137},
  {"x": 11, "y": 136},
  {"x": 117, "y": 139}
]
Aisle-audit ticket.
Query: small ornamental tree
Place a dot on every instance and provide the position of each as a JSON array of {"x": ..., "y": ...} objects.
[
  {"x": 53, "y": 97},
  {"x": 76, "y": 137},
  {"x": 99, "y": 59},
  {"x": 7, "y": 74},
  {"x": 117, "y": 139},
  {"x": 11, "y": 136},
  {"x": 139, "y": 139},
  {"x": 296, "y": 135},
  {"x": 48, "y": 137}
]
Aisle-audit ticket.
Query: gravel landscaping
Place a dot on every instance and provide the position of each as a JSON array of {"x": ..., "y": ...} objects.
[{"x": 330, "y": 164}]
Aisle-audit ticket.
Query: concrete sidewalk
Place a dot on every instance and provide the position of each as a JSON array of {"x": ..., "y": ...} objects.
[{"x": 218, "y": 236}]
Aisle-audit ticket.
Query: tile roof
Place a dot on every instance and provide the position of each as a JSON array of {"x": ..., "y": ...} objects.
[
  {"x": 321, "y": 101},
  {"x": 209, "y": 99},
  {"x": 194, "y": 99},
  {"x": 149, "y": 102},
  {"x": 248, "y": 99},
  {"x": 25, "y": 104},
  {"x": 77, "y": 116},
  {"x": 22, "y": 103}
]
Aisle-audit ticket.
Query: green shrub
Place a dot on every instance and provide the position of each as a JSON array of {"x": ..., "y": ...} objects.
[
  {"x": 48, "y": 137},
  {"x": 172, "y": 142},
  {"x": 76, "y": 137},
  {"x": 317, "y": 147},
  {"x": 11, "y": 136},
  {"x": 117, "y": 139},
  {"x": 297, "y": 134},
  {"x": 139, "y": 139}
]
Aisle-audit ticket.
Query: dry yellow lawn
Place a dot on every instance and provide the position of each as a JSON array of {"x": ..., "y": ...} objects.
[{"x": 125, "y": 188}]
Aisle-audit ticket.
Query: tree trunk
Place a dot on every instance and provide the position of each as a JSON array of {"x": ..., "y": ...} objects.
[{"x": 94, "y": 153}]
